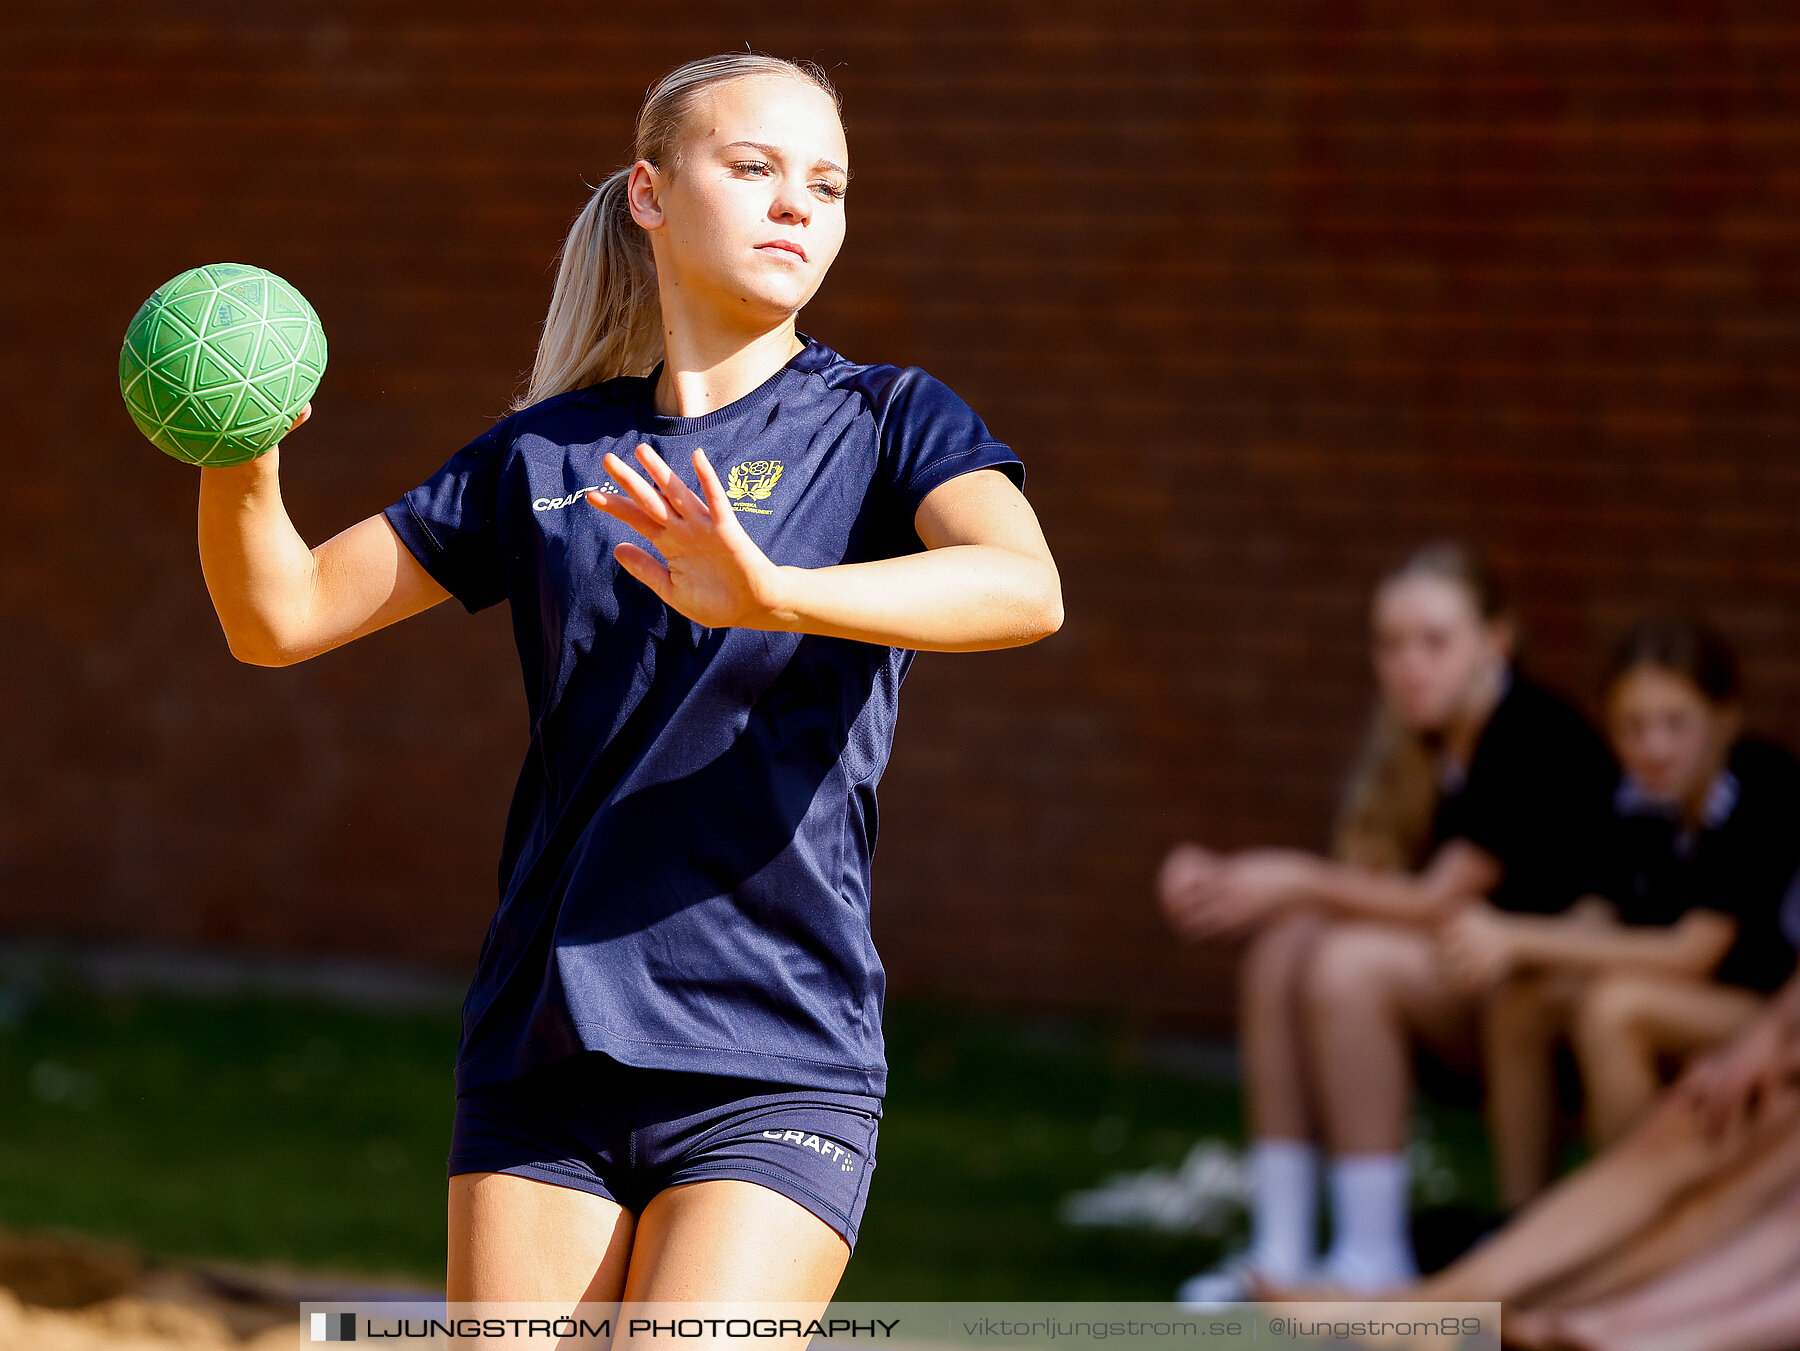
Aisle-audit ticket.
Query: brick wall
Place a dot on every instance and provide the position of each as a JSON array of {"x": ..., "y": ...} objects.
[{"x": 1263, "y": 294}]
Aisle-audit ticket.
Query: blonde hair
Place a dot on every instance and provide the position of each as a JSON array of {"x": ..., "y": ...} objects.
[
  {"x": 605, "y": 316},
  {"x": 1385, "y": 816}
]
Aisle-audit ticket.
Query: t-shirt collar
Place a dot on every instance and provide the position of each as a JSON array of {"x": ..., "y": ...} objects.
[
  {"x": 1631, "y": 798},
  {"x": 1722, "y": 794},
  {"x": 654, "y": 423}
]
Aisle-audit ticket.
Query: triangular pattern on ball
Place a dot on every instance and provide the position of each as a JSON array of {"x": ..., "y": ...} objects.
[{"x": 219, "y": 361}]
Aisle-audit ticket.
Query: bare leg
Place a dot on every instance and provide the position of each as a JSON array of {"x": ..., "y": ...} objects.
[
  {"x": 1755, "y": 1257},
  {"x": 1374, "y": 989},
  {"x": 734, "y": 1242},
  {"x": 515, "y": 1239},
  {"x": 1623, "y": 1023},
  {"x": 1272, "y": 1031},
  {"x": 1699, "y": 1220},
  {"x": 1767, "y": 1321},
  {"x": 1521, "y": 1024},
  {"x": 1590, "y": 1213},
  {"x": 1283, "y": 1160}
]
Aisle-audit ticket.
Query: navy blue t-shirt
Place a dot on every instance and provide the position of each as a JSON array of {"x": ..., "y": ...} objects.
[{"x": 684, "y": 878}]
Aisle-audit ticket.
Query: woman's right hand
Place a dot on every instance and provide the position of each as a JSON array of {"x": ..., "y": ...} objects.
[
  {"x": 1181, "y": 886},
  {"x": 1210, "y": 895}
]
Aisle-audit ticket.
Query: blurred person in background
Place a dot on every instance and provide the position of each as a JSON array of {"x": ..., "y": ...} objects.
[
  {"x": 1475, "y": 782},
  {"x": 1704, "y": 849},
  {"x": 1684, "y": 1234}
]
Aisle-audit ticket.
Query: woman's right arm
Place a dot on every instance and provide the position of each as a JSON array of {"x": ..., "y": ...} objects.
[
  {"x": 1484, "y": 945},
  {"x": 280, "y": 602}
]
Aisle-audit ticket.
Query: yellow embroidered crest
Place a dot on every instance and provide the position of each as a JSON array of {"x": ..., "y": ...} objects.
[{"x": 752, "y": 482}]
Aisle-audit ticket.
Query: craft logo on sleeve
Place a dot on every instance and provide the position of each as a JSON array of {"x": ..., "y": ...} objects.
[
  {"x": 752, "y": 482},
  {"x": 334, "y": 1327}
]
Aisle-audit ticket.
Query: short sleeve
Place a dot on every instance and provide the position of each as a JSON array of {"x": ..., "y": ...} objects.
[
  {"x": 450, "y": 522},
  {"x": 1538, "y": 797},
  {"x": 930, "y": 436}
]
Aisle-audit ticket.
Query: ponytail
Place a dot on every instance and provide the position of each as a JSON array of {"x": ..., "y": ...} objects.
[{"x": 605, "y": 316}]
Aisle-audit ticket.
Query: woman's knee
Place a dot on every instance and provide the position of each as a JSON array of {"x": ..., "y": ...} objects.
[
  {"x": 1611, "y": 1012},
  {"x": 1357, "y": 966}
]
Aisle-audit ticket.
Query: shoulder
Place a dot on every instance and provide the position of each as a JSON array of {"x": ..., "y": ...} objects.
[
  {"x": 1541, "y": 731},
  {"x": 896, "y": 396}
]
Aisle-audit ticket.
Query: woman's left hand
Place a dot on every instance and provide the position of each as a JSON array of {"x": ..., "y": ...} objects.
[{"x": 711, "y": 571}]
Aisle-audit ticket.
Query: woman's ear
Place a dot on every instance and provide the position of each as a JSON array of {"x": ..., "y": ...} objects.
[{"x": 643, "y": 192}]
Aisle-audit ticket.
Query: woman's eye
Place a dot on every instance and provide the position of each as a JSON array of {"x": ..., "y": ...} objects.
[
  {"x": 751, "y": 167},
  {"x": 830, "y": 191}
]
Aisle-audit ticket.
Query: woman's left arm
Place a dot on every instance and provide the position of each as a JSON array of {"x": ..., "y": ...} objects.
[{"x": 985, "y": 580}]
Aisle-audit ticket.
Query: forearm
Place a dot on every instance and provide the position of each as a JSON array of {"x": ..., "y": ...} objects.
[
  {"x": 1566, "y": 945},
  {"x": 260, "y": 573},
  {"x": 961, "y": 598},
  {"x": 1403, "y": 898}
]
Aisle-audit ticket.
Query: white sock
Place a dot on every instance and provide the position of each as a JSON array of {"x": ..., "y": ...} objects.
[
  {"x": 1284, "y": 1208},
  {"x": 1371, "y": 1245}
]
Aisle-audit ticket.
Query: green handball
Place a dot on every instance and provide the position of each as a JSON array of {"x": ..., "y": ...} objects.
[{"x": 219, "y": 362}]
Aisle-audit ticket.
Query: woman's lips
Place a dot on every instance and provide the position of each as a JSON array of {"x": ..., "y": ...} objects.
[{"x": 783, "y": 246}]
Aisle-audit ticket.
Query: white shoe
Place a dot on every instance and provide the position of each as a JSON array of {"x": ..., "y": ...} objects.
[
  {"x": 1227, "y": 1283},
  {"x": 1205, "y": 1195}
]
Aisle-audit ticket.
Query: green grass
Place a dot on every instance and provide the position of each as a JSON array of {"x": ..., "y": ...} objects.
[
  {"x": 263, "y": 1130},
  {"x": 253, "y": 1130}
]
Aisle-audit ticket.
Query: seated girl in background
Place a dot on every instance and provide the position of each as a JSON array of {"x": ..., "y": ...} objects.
[
  {"x": 1477, "y": 782},
  {"x": 1703, "y": 848}
]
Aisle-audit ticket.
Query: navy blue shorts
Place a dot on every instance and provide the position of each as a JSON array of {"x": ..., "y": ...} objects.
[{"x": 586, "y": 1121}]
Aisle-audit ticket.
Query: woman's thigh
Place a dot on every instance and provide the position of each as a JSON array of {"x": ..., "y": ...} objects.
[
  {"x": 1684, "y": 1016},
  {"x": 518, "y": 1239},
  {"x": 732, "y": 1240}
]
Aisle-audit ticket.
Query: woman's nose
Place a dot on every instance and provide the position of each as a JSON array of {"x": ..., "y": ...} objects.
[{"x": 791, "y": 204}]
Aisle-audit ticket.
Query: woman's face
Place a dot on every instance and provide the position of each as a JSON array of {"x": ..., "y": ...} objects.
[
  {"x": 751, "y": 219},
  {"x": 1668, "y": 735},
  {"x": 1433, "y": 650}
]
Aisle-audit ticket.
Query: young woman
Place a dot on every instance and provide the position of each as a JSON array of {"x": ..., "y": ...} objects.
[
  {"x": 671, "y": 1066},
  {"x": 1478, "y": 782},
  {"x": 1705, "y": 848}
]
